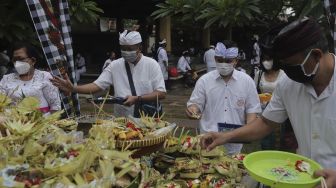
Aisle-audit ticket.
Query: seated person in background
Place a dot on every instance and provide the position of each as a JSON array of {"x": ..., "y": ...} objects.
[
  {"x": 184, "y": 69},
  {"x": 28, "y": 81},
  {"x": 80, "y": 65},
  {"x": 110, "y": 59},
  {"x": 183, "y": 63}
]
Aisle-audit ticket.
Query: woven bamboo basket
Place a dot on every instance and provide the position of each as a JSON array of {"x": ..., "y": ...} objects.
[{"x": 131, "y": 144}]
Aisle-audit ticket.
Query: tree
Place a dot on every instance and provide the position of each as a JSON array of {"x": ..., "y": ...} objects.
[
  {"x": 84, "y": 11},
  {"x": 16, "y": 23}
]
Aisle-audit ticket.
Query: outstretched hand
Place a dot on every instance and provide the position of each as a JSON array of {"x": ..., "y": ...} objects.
[
  {"x": 210, "y": 140},
  {"x": 63, "y": 84}
]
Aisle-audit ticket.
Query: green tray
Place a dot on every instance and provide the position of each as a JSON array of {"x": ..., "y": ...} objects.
[{"x": 259, "y": 165}]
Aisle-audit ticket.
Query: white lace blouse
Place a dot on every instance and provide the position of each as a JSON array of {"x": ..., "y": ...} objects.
[{"x": 39, "y": 86}]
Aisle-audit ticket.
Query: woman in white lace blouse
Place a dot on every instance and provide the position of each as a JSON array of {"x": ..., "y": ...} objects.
[{"x": 28, "y": 81}]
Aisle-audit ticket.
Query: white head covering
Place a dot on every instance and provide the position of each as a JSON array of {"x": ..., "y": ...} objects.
[
  {"x": 221, "y": 51},
  {"x": 163, "y": 41},
  {"x": 211, "y": 46},
  {"x": 130, "y": 38},
  {"x": 231, "y": 53}
]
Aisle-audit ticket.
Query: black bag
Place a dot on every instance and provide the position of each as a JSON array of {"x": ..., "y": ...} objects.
[
  {"x": 148, "y": 108},
  {"x": 156, "y": 55}
]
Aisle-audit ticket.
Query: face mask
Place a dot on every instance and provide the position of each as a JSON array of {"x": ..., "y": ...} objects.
[
  {"x": 268, "y": 64},
  {"x": 225, "y": 69},
  {"x": 298, "y": 73},
  {"x": 129, "y": 56},
  {"x": 22, "y": 67}
]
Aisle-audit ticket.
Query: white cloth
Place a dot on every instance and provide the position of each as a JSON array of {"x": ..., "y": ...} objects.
[
  {"x": 162, "y": 56},
  {"x": 183, "y": 65},
  {"x": 39, "y": 86},
  {"x": 266, "y": 86},
  {"x": 221, "y": 102},
  {"x": 312, "y": 117},
  {"x": 256, "y": 59},
  {"x": 209, "y": 59},
  {"x": 107, "y": 63},
  {"x": 130, "y": 38},
  {"x": 224, "y": 52},
  {"x": 147, "y": 77}
]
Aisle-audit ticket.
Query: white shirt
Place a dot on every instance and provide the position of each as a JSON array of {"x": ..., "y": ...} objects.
[
  {"x": 221, "y": 102},
  {"x": 162, "y": 56},
  {"x": 312, "y": 117},
  {"x": 183, "y": 64},
  {"x": 147, "y": 78},
  {"x": 209, "y": 59},
  {"x": 266, "y": 86},
  {"x": 39, "y": 86}
]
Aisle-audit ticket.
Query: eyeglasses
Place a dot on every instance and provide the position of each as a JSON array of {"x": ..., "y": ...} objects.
[{"x": 24, "y": 59}]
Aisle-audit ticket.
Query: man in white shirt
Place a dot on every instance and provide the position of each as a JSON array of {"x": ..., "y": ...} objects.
[
  {"x": 224, "y": 98},
  {"x": 209, "y": 58},
  {"x": 163, "y": 59},
  {"x": 183, "y": 63},
  {"x": 307, "y": 96},
  {"x": 147, "y": 77}
]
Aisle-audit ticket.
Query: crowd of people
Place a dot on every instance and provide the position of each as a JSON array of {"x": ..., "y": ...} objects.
[{"x": 295, "y": 67}]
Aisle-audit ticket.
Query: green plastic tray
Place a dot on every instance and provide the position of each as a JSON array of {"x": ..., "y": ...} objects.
[{"x": 259, "y": 165}]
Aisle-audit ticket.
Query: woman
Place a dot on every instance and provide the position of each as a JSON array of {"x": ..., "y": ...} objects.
[
  {"x": 28, "y": 81},
  {"x": 268, "y": 76}
]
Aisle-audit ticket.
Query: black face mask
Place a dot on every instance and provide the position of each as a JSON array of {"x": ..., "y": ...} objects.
[{"x": 296, "y": 73}]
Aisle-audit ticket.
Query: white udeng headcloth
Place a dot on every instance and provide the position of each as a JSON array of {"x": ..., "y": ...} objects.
[
  {"x": 221, "y": 51},
  {"x": 130, "y": 38}
]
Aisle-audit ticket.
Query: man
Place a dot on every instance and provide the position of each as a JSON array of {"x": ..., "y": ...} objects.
[
  {"x": 224, "y": 98},
  {"x": 147, "y": 77},
  {"x": 183, "y": 63},
  {"x": 80, "y": 66},
  {"x": 110, "y": 59},
  {"x": 255, "y": 61},
  {"x": 209, "y": 58},
  {"x": 163, "y": 59},
  {"x": 307, "y": 96}
]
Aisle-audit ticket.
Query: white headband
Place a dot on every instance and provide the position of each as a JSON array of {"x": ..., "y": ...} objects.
[{"x": 130, "y": 38}]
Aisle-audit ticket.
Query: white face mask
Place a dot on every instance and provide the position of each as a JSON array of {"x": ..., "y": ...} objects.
[
  {"x": 268, "y": 64},
  {"x": 129, "y": 56},
  {"x": 22, "y": 67},
  {"x": 225, "y": 69}
]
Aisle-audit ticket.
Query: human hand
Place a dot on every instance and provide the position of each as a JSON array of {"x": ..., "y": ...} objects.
[
  {"x": 329, "y": 176},
  {"x": 130, "y": 100},
  {"x": 210, "y": 140},
  {"x": 193, "y": 112},
  {"x": 63, "y": 84}
]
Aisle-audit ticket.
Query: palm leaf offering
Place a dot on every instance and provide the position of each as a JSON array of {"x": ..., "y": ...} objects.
[
  {"x": 185, "y": 164},
  {"x": 44, "y": 151}
]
